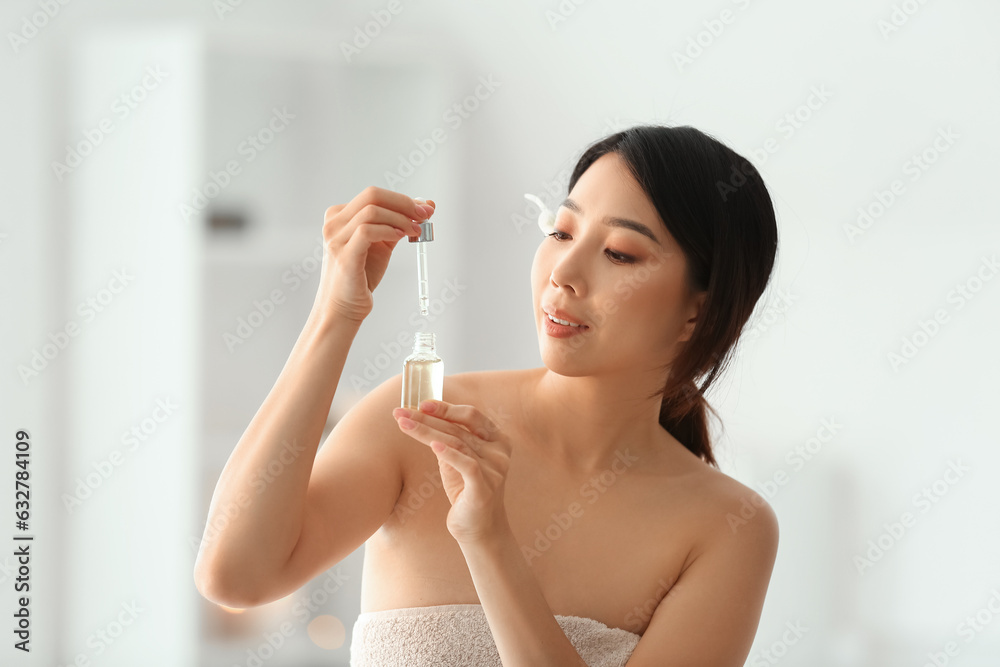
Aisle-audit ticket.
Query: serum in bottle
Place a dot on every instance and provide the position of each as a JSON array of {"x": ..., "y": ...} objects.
[{"x": 423, "y": 373}]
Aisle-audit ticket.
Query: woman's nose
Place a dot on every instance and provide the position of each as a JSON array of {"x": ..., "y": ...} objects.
[{"x": 567, "y": 273}]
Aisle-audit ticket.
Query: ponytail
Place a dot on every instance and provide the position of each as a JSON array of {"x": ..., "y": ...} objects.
[{"x": 684, "y": 414}]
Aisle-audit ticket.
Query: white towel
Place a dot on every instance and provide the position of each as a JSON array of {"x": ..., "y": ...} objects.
[{"x": 458, "y": 635}]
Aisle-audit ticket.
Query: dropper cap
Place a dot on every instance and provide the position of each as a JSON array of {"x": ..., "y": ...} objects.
[{"x": 426, "y": 229}]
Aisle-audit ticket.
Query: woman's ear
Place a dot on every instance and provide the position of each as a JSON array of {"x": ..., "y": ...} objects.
[{"x": 693, "y": 313}]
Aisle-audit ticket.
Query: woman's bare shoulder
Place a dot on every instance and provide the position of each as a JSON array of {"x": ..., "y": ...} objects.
[{"x": 727, "y": 506}]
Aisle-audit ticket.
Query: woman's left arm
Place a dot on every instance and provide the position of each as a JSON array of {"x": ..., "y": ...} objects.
[
  {"x": 710, "y": 615},
  {"x": 473, "y": 458}
]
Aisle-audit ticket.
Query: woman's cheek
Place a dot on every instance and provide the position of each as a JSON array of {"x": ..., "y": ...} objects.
[{"x": 536, "y": 267}]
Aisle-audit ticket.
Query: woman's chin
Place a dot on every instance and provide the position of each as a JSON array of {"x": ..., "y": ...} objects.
[{"x": 561, "y": 357}]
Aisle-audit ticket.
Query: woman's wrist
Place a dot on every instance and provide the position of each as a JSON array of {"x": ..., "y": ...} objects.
[{"x": 326, "y": 324}]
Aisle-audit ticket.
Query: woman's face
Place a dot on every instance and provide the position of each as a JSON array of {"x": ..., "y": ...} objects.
[{"x": 627, "y": 288}]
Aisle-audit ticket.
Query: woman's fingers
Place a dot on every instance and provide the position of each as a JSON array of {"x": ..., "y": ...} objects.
[
  {"x": 354, "y": 255},
  {"x": 373, "y": 206},
  {"x": 341, "y": 230},
  {"x": 427, "y": 428},
  {"x": 403, "y": 205},
  {"x": 466, "y": 415},
  {"x": 359, "y": 238}
]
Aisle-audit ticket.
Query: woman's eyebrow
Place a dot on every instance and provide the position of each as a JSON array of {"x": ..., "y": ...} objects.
[{"x": 616, "y": 222}]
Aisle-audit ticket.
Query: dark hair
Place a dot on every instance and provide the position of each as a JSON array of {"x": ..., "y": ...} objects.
[{"x": 713, "y": 202}]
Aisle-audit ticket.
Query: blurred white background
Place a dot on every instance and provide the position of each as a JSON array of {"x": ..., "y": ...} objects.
[{"x": 140, "y": 336}]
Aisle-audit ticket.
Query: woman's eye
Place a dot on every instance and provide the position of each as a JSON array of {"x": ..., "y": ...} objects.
[
  {"x": 620, "y": 258},
  {"x": 616, "y": 257}
]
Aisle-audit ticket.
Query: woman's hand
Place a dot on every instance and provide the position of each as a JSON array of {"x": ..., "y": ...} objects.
[
  {"x": 358, "y": 238},
  {"x": 473, "y": 457}
]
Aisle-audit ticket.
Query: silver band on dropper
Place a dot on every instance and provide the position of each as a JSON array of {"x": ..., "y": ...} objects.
[{"x": 426, "y": 229}]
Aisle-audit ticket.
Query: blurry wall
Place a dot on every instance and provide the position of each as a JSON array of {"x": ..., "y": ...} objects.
[{"x": 859, "y": 405}]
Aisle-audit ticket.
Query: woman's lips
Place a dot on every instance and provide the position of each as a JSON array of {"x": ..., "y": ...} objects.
[
  {"x": 557, "y": 330},
  {"x": 561, "y": 315}
]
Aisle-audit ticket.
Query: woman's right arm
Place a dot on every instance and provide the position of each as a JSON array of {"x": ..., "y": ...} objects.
[{"x": 259, "y": 506}]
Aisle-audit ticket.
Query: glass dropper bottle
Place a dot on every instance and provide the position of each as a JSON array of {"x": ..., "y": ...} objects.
[
  {"x": 423, "y": 370},
  {"x": 423, "y": 373}
]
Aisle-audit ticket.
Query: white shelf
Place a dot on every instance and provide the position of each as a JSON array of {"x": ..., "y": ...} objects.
[{"x": 265, "y": 247}]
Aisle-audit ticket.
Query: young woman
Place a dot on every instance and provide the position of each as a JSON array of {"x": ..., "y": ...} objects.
[{"x": 571, "y": 514}]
